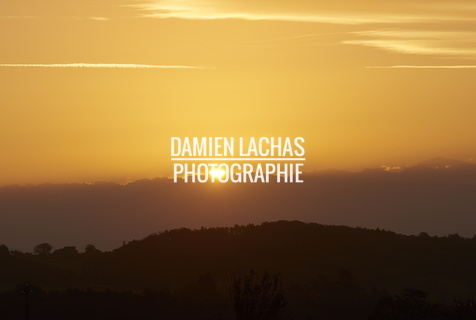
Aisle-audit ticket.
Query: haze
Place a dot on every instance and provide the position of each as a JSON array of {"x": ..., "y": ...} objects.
[{"x": 93, "y": 91}]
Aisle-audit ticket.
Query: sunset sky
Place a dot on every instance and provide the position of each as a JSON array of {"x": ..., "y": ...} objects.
[{"x": 93, "y": 90}]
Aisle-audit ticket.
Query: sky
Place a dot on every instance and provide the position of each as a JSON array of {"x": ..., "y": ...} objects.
[{"x": 93, "y": 90}]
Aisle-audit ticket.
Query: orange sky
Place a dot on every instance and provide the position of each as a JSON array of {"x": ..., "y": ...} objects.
[{"x": 341, "y": 74}]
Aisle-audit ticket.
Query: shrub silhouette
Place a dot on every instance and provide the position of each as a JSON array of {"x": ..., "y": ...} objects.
[{"x": 256, "y": 297}]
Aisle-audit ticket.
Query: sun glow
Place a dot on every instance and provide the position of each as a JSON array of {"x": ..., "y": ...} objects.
[{"x": 217, "y": 173}]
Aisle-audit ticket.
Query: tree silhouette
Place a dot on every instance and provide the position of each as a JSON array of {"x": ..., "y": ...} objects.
[
  {"x": 66, "y": 251},
  {"x": 43, "y": 248},
  {"x": 256, "y": 297},
  {"x": 4, "y": 250},
  {"x": 91, "y": 249},
  {"x": 26, "y": 291}
]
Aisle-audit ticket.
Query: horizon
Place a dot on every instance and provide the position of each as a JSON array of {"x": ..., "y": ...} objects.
[
  {"x": 395, "y": 168},
  {"x": 82, "y": 247}
]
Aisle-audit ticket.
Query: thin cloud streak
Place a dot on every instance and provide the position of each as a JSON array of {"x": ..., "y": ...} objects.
[
  {"x": 331, "y": 19},
  {"x": 420, "y": 47},
  {"x": 421, "y": 67},
  {"x": 100, "y": 66},
  {"x": 20, "y": 17},
  {"x": 99, "y": 18},
  {"x": 469, "y": 36},
  {"x": 215, "y": 10},
  {"x": 421, "y": 42}
]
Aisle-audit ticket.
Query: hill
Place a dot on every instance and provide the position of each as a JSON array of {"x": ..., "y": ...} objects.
[
  {"x": 327, "y": 271},
  {"x": 301, "y": 252},
  {"x": 436, "y": 197}
]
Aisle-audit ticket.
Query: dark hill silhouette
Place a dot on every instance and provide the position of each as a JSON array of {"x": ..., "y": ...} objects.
[
  {"x": 302, "y": 253},
  {"x": 439, "y": 201},
  {"x": 328, "y": 272}
]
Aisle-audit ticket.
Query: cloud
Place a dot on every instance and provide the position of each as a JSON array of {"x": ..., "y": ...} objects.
[
  {"x": 95, "y": 18},
  {"x": 391, "y": 168},
  {"x": 212, "y": 10},
  {"x": 449, "y": 32},
  {"x": 330, "y": 18},
  {"x": 421, "y": 67},
  {"x": 20, "y": 17},
  {"x": 420, "y": 42},
  {"x": 416, "y": 47},
  {"x": 101, "y": 66},
  {"x": 419, "y": 34},
  {"x": 99, "y": 18}
]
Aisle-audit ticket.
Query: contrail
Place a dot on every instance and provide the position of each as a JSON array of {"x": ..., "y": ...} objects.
[
  {"x": 101, "y": 66},
  {"x": 421, "y": 67}
]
